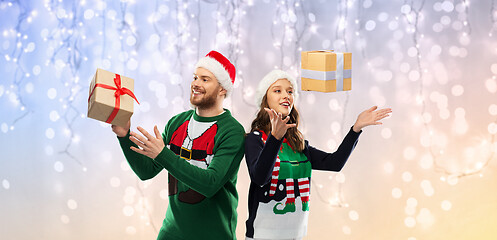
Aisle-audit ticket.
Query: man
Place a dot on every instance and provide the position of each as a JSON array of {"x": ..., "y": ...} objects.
[{"x": 203, "y": 154}]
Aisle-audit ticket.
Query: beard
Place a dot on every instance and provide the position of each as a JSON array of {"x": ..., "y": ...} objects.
[{"x": 207, "y": 101}]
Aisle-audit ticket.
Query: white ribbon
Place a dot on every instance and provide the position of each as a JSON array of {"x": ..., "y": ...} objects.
[
  {"x": 318, "y": 75},
  {"x": 325, "y": 76},
  {"x": 339, "y": 74}
]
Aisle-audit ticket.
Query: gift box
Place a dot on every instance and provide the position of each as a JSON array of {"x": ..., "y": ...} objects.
[
  {"x": 111, "y": 98},
  {"x": 326, "y": 71}
]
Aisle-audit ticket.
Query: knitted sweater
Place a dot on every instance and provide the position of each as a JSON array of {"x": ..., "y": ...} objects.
[
  {"x": 278, "y": 176},
  {"x": 202, "y": 156}
]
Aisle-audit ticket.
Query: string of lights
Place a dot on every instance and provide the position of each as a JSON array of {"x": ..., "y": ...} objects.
[
  {"x": 22, "y": 46},
  {"x": 342, "y": 26},
  {"x": 341, "y": 45},
  {"x": 228, "y": 36},
  {"x": 128, "y": 36},
  {"x": 465, "y": 13},
  {"x": 127, "y": 31},
  {"x": 170, "y": 47},
  {"x": 182, "y": 35},
  {"x": 493, "y": 18},
  {"x": 359, "y": 25},
  {"x": 289, "y": 36},
  {"x": 413, "y": 16},
  {"x": 66, "y": 58},
  {"x": 341, "y": 33}
]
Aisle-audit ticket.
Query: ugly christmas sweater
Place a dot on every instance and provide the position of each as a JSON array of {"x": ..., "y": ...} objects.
[
  {"x": 280, "y": 183},
  {"x": 202, "y": 156}
]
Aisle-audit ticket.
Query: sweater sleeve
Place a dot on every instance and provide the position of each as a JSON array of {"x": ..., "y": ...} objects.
[
  {"x": 321, "y": 160},
  {"x": 226, "y": 160},
  {"x": 142, "y": 165},
  {"x": 261, "y": 157}
]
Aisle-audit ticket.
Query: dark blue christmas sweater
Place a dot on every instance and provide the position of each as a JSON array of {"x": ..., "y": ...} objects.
[{"x": 279, "y": 175}]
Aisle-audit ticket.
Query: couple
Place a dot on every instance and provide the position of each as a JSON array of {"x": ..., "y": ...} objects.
[{"x": 202, "y": 149}]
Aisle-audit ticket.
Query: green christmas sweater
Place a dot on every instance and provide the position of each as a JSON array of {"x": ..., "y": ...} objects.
[{"x": 202, "y": 156}]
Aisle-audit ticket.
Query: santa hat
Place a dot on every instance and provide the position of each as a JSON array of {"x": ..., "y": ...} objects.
[
  {"x": 221, "y": 67},
  {"x": 269, "y": 79}
]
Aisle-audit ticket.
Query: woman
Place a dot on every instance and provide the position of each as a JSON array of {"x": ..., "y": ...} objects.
[{"x": 280, "y": 161}]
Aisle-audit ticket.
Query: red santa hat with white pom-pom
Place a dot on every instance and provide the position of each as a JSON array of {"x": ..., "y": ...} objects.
[{"x": 222, "y": 69}]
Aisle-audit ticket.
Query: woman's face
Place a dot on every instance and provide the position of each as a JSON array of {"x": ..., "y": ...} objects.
[{"x": 280, "y": 96}]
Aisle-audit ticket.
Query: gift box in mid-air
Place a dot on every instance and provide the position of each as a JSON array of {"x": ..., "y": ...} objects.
[{"x": 326, "y": 71}]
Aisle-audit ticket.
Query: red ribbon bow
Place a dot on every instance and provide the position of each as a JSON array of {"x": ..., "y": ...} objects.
[{"x": 119, "y": 91}]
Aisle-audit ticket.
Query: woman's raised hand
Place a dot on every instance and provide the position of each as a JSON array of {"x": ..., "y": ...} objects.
[
  {"x": 371, "y": 116},
  {"x": 279, "y": 124}
]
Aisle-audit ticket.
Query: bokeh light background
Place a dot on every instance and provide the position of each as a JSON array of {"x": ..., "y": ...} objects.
[{"x": 428, "y": 173}]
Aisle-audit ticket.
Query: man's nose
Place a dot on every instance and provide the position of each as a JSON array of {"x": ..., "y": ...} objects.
[{"x": 195, "y": 82}]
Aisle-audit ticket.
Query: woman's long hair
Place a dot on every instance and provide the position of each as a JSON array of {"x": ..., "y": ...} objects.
[{"x": 292, "y": 135}]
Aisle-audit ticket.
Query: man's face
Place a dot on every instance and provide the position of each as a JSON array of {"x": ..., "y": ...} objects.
[{"x": 205, "y": 89}]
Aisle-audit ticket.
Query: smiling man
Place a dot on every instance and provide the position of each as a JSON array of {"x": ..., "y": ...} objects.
[{"x": 201, "y": 149}]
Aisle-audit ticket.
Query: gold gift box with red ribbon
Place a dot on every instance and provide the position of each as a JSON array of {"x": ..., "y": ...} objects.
[
  {"x": 111, "y": 98},
  {"x": 326, "y": 71}
]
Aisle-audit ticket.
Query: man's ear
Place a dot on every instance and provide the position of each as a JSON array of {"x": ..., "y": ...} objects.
[{"x": 223, "y": 91}]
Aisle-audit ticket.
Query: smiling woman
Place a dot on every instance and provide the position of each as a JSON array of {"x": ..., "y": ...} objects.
[{"x": 280, "y": 161}]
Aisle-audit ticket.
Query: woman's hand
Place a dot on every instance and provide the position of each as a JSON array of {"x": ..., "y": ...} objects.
[
  {"x": 370, "y": 117},
  {"x": 278, "y": 124}
]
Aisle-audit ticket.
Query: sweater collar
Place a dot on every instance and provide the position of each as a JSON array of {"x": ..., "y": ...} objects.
[{"x": 224, "y": 114}]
